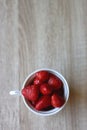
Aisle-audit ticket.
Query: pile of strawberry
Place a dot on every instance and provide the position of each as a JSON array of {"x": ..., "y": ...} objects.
[{"x": 45, "y": 92}]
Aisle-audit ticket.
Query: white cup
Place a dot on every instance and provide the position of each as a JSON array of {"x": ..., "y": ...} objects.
[{"x": 30, "y": 107}]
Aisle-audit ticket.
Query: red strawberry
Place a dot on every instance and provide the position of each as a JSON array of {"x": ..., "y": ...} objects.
[
  {"x": 31, "y": 92},
  {"x": 34, "y": 103},
  {"x": 45, "y": 89},
  {"x": 43, "y": 102},
  {"x": 42, "y": 75},
  {"x": 55, "y": 82},
  {"x": 37, "y": 81},
  {"x": 25, "y": 92},
  {"x": 57, "y": 101}
]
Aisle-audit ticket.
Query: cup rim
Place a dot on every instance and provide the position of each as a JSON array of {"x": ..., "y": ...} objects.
[{"x": 55, "y": 110}]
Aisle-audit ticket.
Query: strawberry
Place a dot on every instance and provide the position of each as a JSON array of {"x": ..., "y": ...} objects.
[
  {"x": 42, "y": 75},
  {"x": 43, "y": 102},
  {"x": 55, "y": 82},
  {"x": 31, "y": 92},
  {"x": 45, "y": 89},
  {"x": 25, "y": 92},
  {"x": 37, "y": 81},
  {"x": 33, "y": 103},
  {"x": 56, "y": 100}
]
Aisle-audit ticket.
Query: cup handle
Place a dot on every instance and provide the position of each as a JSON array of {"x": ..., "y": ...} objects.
[{"x": 15, "y": 92}]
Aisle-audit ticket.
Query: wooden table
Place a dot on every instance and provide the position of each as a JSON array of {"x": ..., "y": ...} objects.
[{"x": 36, "y": 34}]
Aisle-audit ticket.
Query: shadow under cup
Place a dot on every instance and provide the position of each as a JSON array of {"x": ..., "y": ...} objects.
[{"x": 53, "y": 111}]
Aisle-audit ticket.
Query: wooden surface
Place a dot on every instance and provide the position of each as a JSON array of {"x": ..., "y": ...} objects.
[{"x": 36, "y": 34}]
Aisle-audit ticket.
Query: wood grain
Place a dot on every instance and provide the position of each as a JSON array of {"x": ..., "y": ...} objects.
[
  {"x": 36, "y": 34},
  {"x": 9, "y": 106}
]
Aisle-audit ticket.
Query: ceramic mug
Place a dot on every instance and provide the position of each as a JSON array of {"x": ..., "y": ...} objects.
[{"x": 29, "y": 79}]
